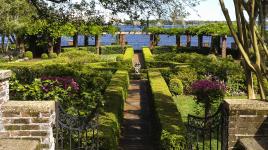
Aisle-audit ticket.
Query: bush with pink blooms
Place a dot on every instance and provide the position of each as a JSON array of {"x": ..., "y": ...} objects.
[{"x": 208, "y": 92}]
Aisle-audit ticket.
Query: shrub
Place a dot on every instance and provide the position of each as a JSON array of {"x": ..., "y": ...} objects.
[
  {"x": 172, "y": 129},
  {"x": 52, "y": 55},
  {"x": 208, "y": 92},
  {"x": 44, "y": 56},
  {"x": 163, "y": 49},
  {"x": 91, "y": 49},
  {"x": 187, "y": 76},
  {"x": 111, "y": 117},
  {"x": 128, "y": 56},
  {"x": 119, "y": 58},
  {"x": 112, "y": 49},
  {"x": 80, "y": 57},
  {"x": 176, "y": 86},
  {"x": 148, "y": 56},
  {"x": 28, "y": 54},
  {"x": 212, "y": 57}
]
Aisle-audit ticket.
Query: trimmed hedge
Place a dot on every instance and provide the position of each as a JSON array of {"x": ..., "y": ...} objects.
[
  {"x": 112, "y": 49},
  {"x": 172, "y": 129},
  {"x": 148, "y": 56},
  {"x": 127, "y": 58},
  {"x": 89, "y": 48},
  {"x": 110, "y": 119}
]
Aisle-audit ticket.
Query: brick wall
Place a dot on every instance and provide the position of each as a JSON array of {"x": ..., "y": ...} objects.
[
  {"x": 247, "y": 118},
  {"x": 4, "y": 90},
  {"x": 32, "y": 120},
  {"x": 29, "y": 120}
]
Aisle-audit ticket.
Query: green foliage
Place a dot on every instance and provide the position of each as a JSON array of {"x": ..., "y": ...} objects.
[
  {"x": 52, "y": 55},
  {"x": 147, "y": 54},
  {"x": 163, "y": 49},
  {"x": 89, "y": 48},
  {"x": 169, "y": 31},
  {"x": 119, "y": 58},
  {"x": 172, "y": 129},
  {"x": 127, "y": 58},
  {"x": 29, "y": 54},
  {"x": 44, "y": 56},
  {"x": 176, "y": 86},
  {"x": 187, "y": 75},
  {"x": 112, "y": 49},
  {"x": 219, "y": 29},
  {"x": 79, "y": 57},
  {"x": 111, "y": 118}
]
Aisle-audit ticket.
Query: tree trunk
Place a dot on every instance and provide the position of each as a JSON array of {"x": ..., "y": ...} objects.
[
  {"x": 224, "y": 47},
  {"x": 97, "y": 43},
  {"x": 50, "y": 45},
  {"x": 152, "y": 41},
  {"x": 200, "y": 41},
  {"x": 86, "y": 40},
  {"x": 57, "y": 46},
  {"x": 75, "y": 40},
  {"x": 178, "y": 41},
  {"x": 250, "y": 85},
  {"x": 188, "y": 40},
  {"x": 3, "y": 43}
]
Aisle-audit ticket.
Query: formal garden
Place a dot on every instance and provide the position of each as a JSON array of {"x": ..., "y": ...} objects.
[{"x": 112, "y": 96}]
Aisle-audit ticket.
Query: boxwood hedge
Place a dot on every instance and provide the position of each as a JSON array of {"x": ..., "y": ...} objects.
[
  {"x": 172, "y": 130},
  {"x": 112, "y": 114}
]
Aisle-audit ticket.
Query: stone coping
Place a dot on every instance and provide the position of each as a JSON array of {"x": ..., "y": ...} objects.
[
  {"x": 28, "y": 106},
  {"x": 246, "y": 104},
  {"x": 254, "y": 143},
  {"x": 5, "y": 74},
  {"x": 16, "y": 144}
]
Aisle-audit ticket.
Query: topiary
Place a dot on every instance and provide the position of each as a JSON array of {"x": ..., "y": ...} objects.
[
  {"x": 119, "y": 58},
  {"x": 44, "y": 56},
  {"x": 52, "y": 55},
  {"x": 176, "y": 86},
  {"x": 28, "y": 54}
]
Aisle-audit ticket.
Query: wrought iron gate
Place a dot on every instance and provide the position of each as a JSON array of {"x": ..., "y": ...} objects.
[
  {"x": 208, "y": 133},
  {"x": 76, "y": 132}
]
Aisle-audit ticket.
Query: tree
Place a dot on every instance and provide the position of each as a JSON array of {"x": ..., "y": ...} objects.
[
  {"x": 249, "y": 41},
  {"x": 15, "y": 16}
]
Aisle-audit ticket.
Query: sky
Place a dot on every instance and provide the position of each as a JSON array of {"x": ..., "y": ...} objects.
[{"x": 210, "y": 10}]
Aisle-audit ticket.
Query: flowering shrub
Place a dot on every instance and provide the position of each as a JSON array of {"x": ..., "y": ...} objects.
[
  {"x": 64, "y": 82},
  {"x": 208, "y": 92}
]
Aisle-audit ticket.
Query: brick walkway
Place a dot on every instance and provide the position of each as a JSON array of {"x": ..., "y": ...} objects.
[{"x": 136, "y": 123}]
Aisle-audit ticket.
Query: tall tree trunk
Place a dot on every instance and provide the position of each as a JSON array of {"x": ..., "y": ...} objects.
[
  {"x": 224, "y": 47},
  {"x": 188, "y": 40},
  {"x": 75, "y": 40},
  {"x": 20, "y": 43},
  {"x": 200, "y": 41},
  {"x": 86, "y": 40},
  {"x": 178, "y": 41},
  {"x": 97, "y": 43},
  {"x": 50, "y": 45},
  {"x": 57, "y": 46}
]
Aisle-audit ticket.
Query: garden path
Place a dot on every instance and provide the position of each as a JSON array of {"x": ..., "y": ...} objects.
[{"x": 136, "y": 134}]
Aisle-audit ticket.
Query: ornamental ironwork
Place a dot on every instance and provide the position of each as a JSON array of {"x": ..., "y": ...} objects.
[
  {"x": 76, "y": 132},
  {"x": 208, "y": 133}
]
